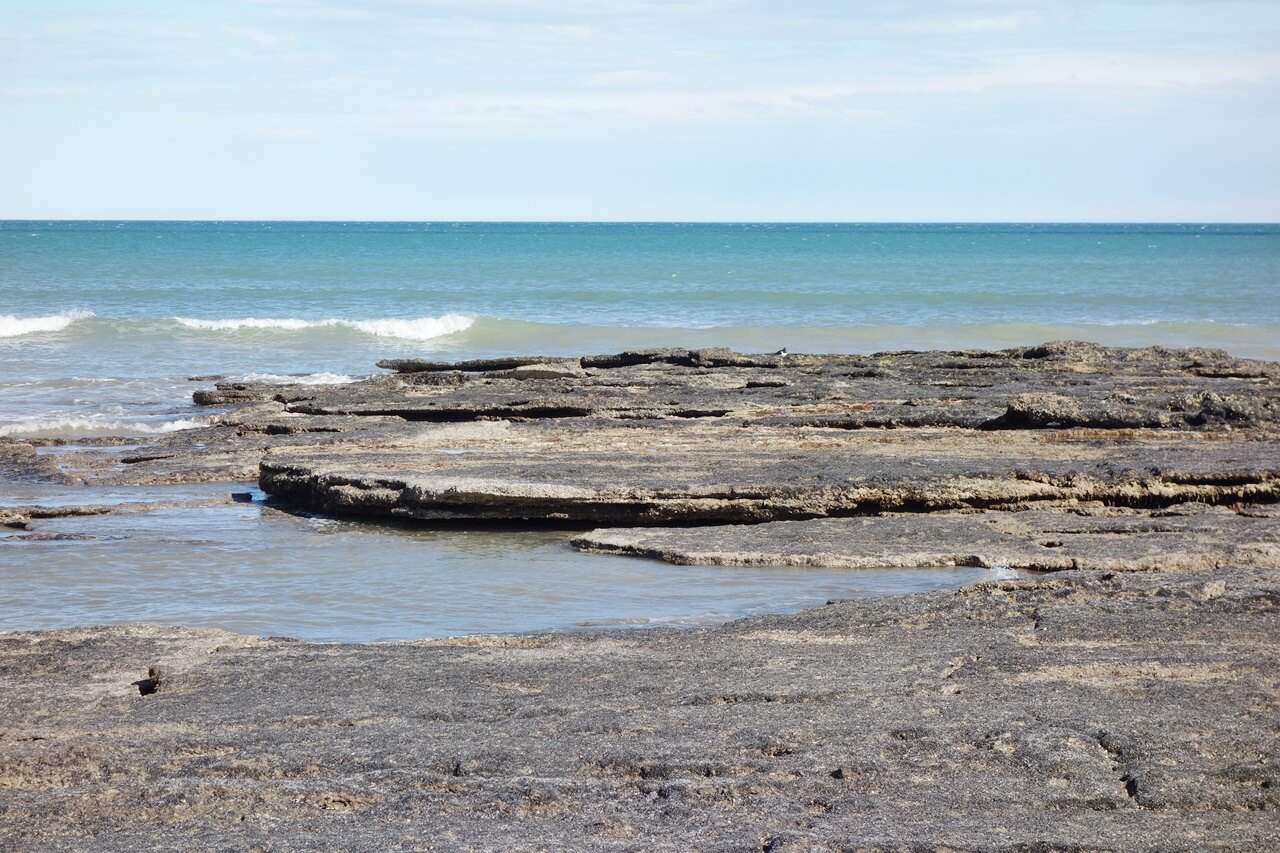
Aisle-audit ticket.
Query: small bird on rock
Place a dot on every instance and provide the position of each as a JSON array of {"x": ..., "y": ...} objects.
[{"x": 782, "y": 352}]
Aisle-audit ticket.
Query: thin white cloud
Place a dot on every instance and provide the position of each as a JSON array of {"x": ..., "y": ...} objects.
[
  {"x": 576, "y": 32},
  {"x": 629, "y": 78},
  {"x": 968, "y": 24},
  {"x": 262, "y": 38},
  {"x": 845, "y": 98},
  {"x": 314, "y": 10},
  {"x": 360, "y": 80}
]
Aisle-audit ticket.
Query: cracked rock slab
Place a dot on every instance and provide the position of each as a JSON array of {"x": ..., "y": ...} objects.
[
  {"x": 602, "y": 473},
  {"x": 1126, "y": 712},
  {"x": 1103, "y": 539},
  {"x": 1101, "y": 710},
  {"x": 708, "y": 436},
  {"x": 1128, "y": 415}
]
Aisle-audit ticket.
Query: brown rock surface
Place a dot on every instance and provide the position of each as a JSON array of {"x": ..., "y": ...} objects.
[
  {"x": 1082, "y": 712},
  {"x": 801, "y": 436},
  {"x": 679, "y": 436},
  {"x": 1186, "y": 537}
]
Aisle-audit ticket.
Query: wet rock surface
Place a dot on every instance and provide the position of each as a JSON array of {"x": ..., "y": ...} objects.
[
  {"x": 1086, "y": 711},
  {"x": 28, "y": 516},
  {"x": 1125, "y": 700}
]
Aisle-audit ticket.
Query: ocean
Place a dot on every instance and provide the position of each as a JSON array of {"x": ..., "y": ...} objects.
[
  {"x": 103, "y": 326},
  {"x": 102, "y": 322}
]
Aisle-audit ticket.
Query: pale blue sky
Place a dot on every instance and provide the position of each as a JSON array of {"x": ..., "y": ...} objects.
[{"x": 640, "y": 109}]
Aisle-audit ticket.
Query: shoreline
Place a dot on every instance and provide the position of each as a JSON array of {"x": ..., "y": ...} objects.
[
  {"x": 1124, "y": 699},
  {"x": 1055, "y": 714}
]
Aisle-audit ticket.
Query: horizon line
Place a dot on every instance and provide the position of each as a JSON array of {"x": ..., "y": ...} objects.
[{"x": 662, "y": 221}]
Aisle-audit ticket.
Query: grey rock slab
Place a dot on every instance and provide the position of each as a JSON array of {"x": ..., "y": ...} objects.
[
  {"x": 701, "y": 436},
  {"x": 543, "y": 370},
  {"x": 710, "y": 436},
  {"x": 653, "y": 474},
  {"x": 479, "y": 365},
  {"x": 1099, "y": 538},
  {"x": 1129, "y": 712},
  {"x": 1082, "y": 711},
  {"x": 1071, "y": 385},
  {"x": 23, "y": 516}
]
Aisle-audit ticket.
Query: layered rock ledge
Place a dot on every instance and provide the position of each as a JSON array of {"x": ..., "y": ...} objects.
[
  {"x": 709, "y": 436},
  {"x": 1124, "y": 700},
  {"x": 1087, "y": 711}
]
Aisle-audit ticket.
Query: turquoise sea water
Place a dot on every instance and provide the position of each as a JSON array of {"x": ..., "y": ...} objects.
[
  {"x": 102, "y": 323},
  {"x": 117, "y": 314}
]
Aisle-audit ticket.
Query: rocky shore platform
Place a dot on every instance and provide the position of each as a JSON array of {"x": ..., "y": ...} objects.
[{"x": 1126, "y": 697}]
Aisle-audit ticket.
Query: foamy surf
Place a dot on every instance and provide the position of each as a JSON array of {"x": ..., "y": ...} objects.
[
  {"x": 12, "y": 326},
  {"x": 296, "y": 379},
  {"x": 79, "y": 426},
  {"x": 417, "y": 329},
  {"x": 421, "y": 329},
  {"x": 288, "y": 324},
  {"x": 1001, "y": 572}
]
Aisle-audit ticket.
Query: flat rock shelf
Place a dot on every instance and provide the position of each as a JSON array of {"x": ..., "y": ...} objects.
[{"x": 1124, "y": 698}]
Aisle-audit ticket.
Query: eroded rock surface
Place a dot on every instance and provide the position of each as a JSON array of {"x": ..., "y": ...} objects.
[
  {"x": 711, "y": 437},
  {"x": 1087, "y": 709},
  {"x": 1105, "y": 539},
  {"x": 1082, "y": 712},
  {"x": 704, "y": 437},
  {"x": 701, "y": 435}
]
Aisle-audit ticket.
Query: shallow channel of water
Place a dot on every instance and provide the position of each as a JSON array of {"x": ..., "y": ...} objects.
[{"x": 249, "y": 568}]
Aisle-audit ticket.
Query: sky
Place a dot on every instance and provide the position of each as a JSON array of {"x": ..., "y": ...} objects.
[{"x": 723, "y": 110}]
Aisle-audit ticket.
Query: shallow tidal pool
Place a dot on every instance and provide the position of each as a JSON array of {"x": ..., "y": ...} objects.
[{"x": 249, "y": 568}]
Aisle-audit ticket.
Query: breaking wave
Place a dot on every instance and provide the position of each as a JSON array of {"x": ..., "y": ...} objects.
[
  {"x": 296, "y": 379},
  {"x": 478, "y": 335},
  {"x": 288, "y": 324},
  {"x": 418, "y": 329},
  {"x": 79, "y": 425},
  {"x": 11, "y": 326}
]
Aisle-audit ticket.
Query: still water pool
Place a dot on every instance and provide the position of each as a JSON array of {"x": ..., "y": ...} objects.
[{"x": 250, "y": 568}]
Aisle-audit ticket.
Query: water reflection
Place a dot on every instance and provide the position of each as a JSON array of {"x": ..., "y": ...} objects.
[{"x": 248, "y": 568}]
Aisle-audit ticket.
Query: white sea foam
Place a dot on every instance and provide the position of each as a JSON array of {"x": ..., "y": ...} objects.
[
  {"x": 11, "y": 326},
  {"x": 94, "y": 380},
  {"x": 79, "y": 425},
  {"x": 288, "y": 323},
  {"x": 302, "y": 379},
  {"x": 419, "y": 329},
  {"x": 1002, "y": 572}
]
